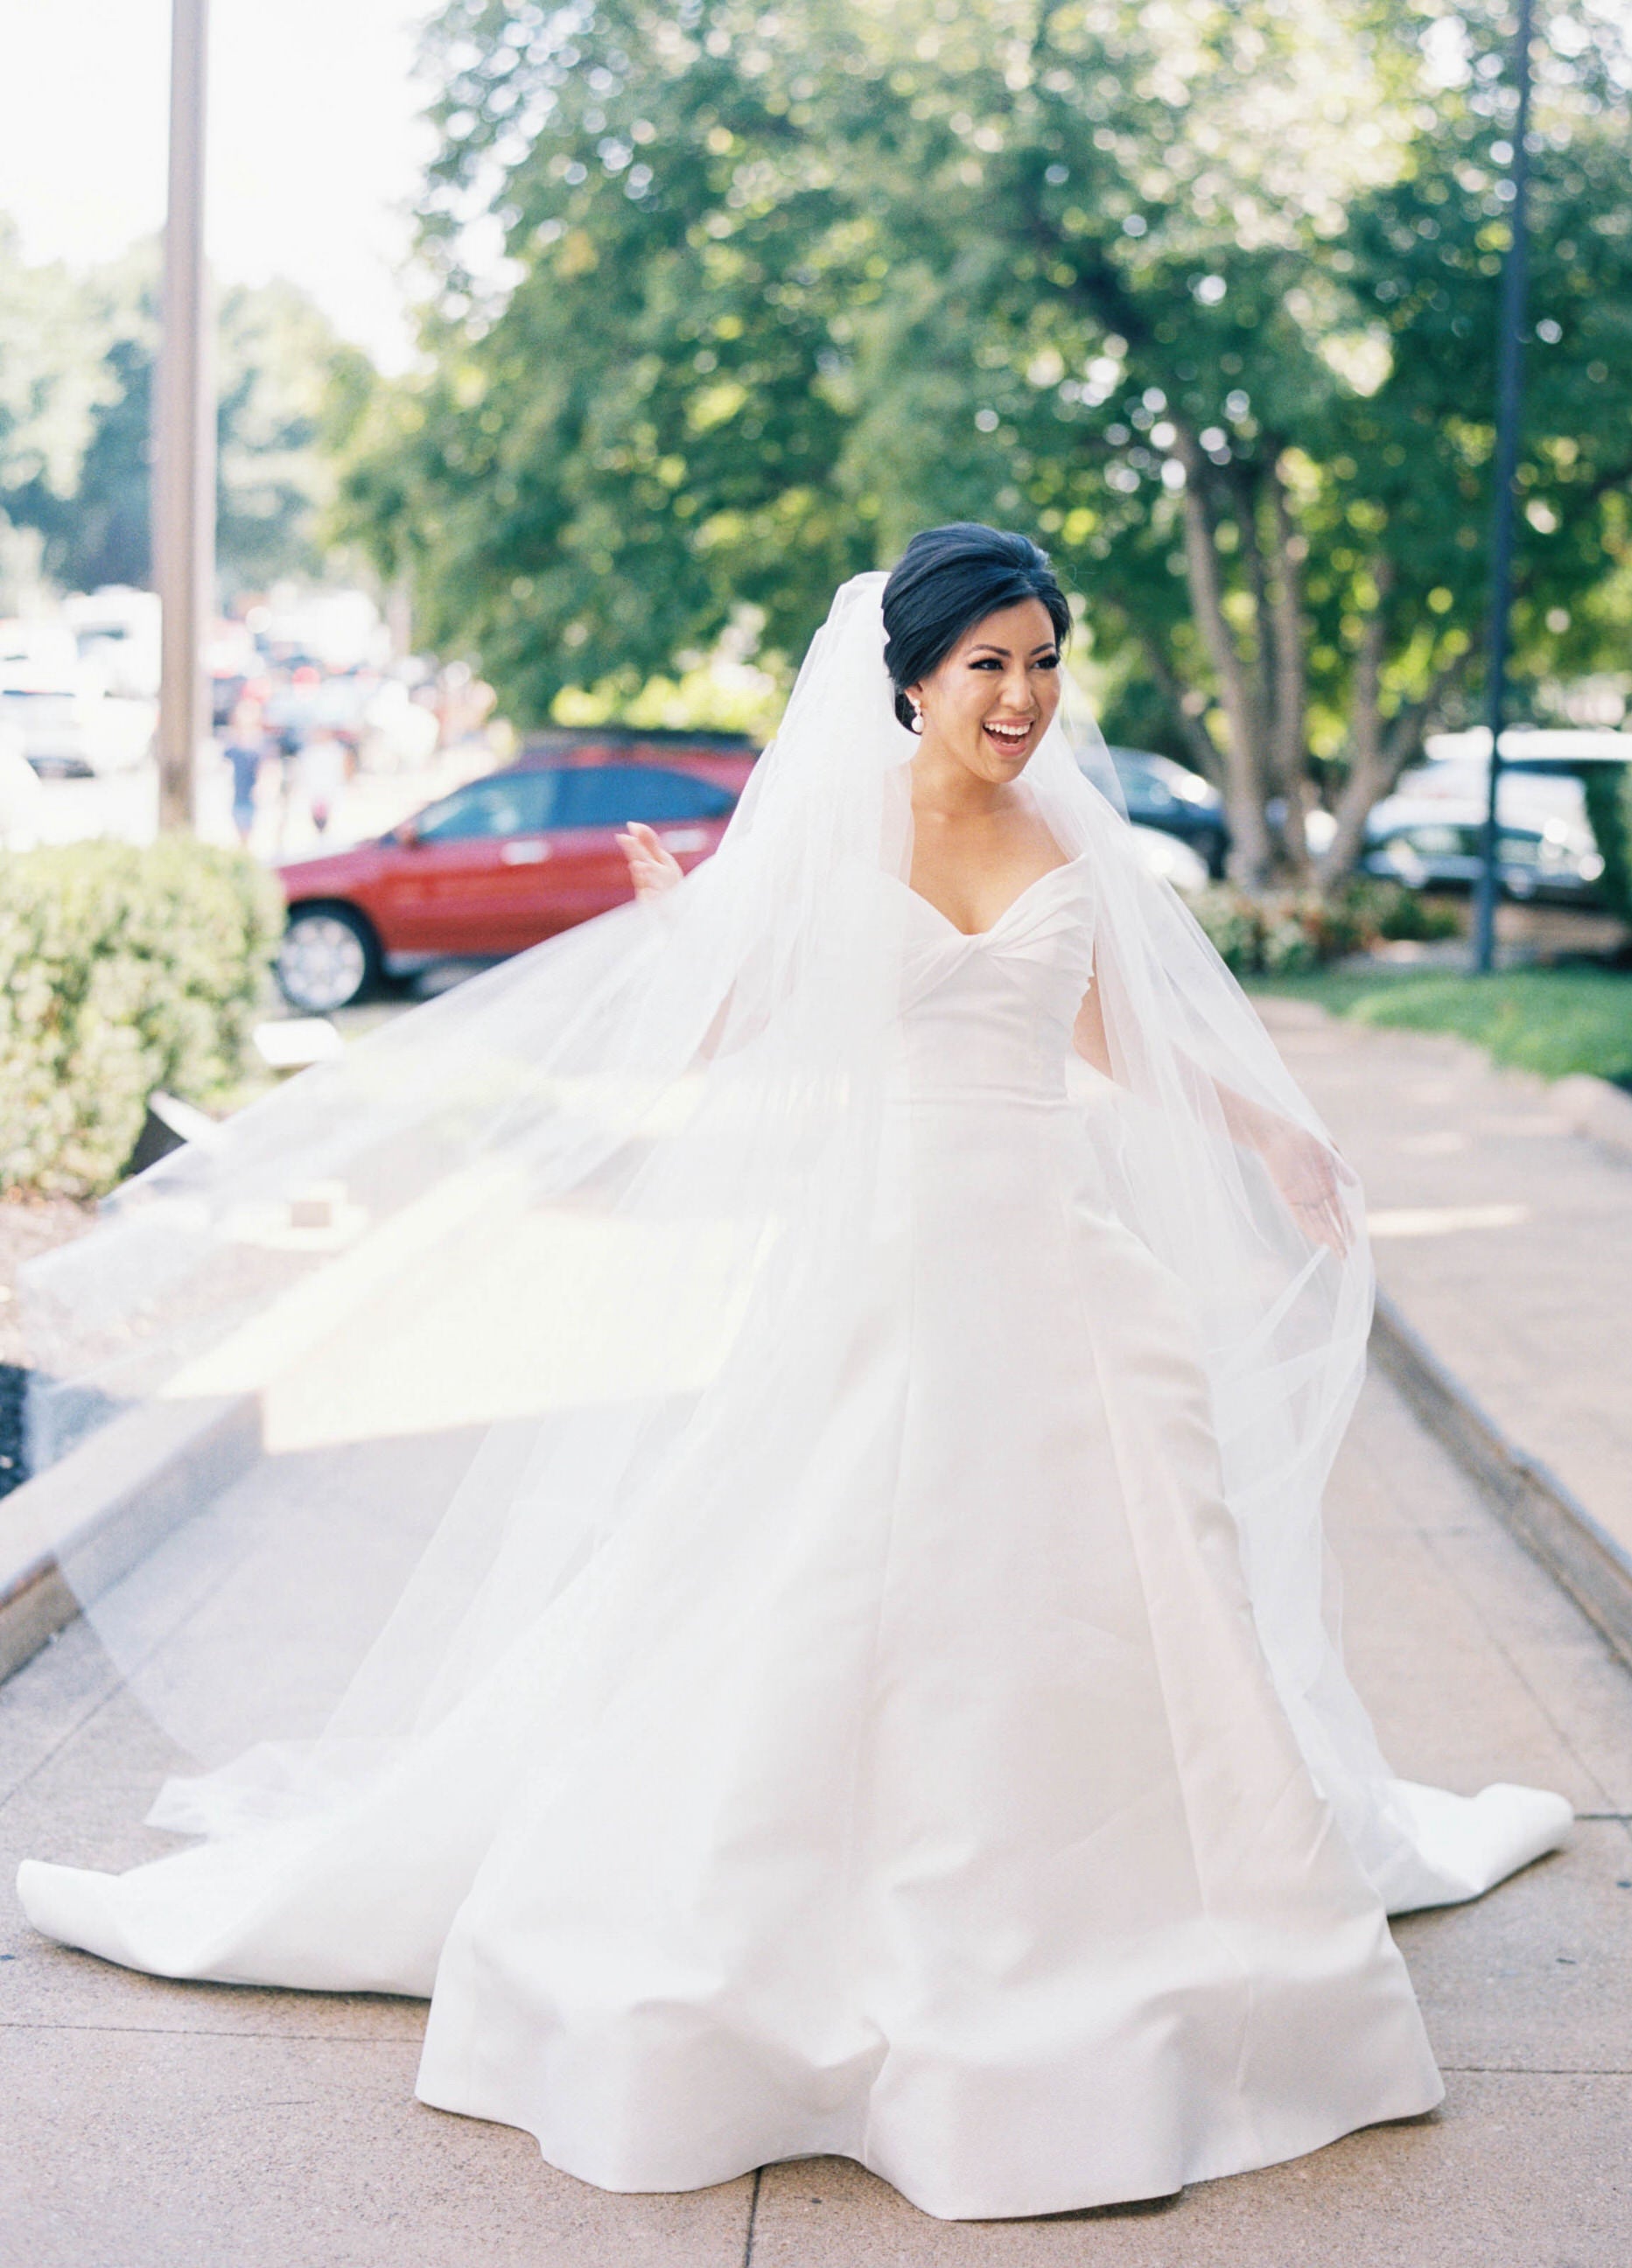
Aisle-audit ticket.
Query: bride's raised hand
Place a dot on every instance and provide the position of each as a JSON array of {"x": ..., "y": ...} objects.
[
  {"x": 1309, "y": 1174},
  {"x": 652, "y": 869}
]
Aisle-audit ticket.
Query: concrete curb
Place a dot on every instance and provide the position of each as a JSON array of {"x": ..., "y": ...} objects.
[
  {"x": 71, "y": 1532},
  {"x": 1554, "y": 1527}
]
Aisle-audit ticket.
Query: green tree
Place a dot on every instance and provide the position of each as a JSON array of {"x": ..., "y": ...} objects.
[
  {"x": 1203, "y": 294},
  {"x": 593, "y": 480},
  {"x": 53, "y": 381},
  {"x": 1398, "y": 604},
  {"x": 278, "y": 361},
  {"x": 75, "y": 380},
  {"x": 97, "y": 531}
]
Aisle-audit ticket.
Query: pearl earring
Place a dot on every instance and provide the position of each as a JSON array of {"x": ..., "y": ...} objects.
[{"x": 917, "y": 718}]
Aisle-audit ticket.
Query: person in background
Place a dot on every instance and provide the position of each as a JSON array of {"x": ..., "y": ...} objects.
[
  {"x": 246, "y": 746},
  {"x": 325, "y": 766}
]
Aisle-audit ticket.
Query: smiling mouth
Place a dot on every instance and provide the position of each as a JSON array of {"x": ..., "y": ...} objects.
[{"x": 1012, "y": 737}]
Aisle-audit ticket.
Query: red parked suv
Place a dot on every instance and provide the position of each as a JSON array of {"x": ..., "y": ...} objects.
[{"x": 505, "y": 861}]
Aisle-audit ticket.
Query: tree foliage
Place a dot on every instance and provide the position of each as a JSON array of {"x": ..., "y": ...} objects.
[
  {"x": 76, "y": 356},
  {"x": 1203, "y": 294}
]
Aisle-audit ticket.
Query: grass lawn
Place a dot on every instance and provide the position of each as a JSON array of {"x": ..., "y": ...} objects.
[{"x": 1548, "y": 1020}]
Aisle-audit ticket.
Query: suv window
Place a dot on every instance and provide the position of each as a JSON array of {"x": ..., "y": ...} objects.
[
  {"x": 1441, "y": 842},
  {"x": 610, "y": 795},
  {"x": 511, "y": 803}
]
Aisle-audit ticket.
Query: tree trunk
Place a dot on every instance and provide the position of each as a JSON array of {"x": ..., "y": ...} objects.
[
  {"x": 1243, "y": 482},
  {"x": 1381, "y": 752},
  {"x": 1290, "y": 754},
  {"x": 1251, "y": 857},
  {"x": 1198, "y": 741}
]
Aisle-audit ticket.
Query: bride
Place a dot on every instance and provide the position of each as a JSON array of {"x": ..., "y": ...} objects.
[{"x": 858, "y": 1676}]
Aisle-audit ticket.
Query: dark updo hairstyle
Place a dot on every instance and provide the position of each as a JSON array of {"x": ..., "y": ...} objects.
[{"x": 948, "y": 580}]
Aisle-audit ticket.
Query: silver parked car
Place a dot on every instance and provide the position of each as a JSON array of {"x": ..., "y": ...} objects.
[
  {"x": 1429, "y": 833},
  {"x": 1438, "y": 850}
]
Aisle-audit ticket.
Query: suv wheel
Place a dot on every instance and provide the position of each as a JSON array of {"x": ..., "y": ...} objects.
[{"x": 328, "y": 958}]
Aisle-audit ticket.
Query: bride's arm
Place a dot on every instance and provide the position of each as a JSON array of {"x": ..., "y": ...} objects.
[
  {"x": 652, "y": 869},
  {"x": 1307, "y": 1172},
  {"x": 655, "y": 873},
  {"x": 1087, "y": 1033}
]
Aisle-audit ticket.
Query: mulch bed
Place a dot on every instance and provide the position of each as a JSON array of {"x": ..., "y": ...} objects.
[{"x": 26, "y": 1229}]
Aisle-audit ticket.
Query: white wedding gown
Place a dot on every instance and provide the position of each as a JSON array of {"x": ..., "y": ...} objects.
[{"x": 939, "y": 1813}]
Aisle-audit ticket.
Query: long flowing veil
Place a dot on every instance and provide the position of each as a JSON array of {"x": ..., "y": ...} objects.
[{"x": 557, "y": 1278}]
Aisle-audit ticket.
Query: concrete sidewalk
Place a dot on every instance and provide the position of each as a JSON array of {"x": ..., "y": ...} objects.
[
  {"x": 1503, "y": 1237},
  {"x": 144, "y": 2124}
]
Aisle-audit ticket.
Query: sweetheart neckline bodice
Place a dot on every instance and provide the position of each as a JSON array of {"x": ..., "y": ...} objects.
[{"x": 975, "y": 936}]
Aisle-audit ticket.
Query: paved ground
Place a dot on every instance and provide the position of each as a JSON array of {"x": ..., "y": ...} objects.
[
  {"x": 1505, "y": 1238},
  {"x": 144, "y": 2124}
]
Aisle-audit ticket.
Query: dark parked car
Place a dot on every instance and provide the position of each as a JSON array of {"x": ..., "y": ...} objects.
[
  {"x": 505, "y": 861},
  {"x": 1163, "y": 794}
]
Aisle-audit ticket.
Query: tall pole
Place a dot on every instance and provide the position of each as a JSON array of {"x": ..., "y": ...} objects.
[
  {"x": 184, "y": 451},
  {"x": 1506, "y": 465}
]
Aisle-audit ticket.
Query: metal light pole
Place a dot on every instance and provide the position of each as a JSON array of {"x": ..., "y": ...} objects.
[
  {"x": 184, "y": 437},
  {"x": 1507, "y": 374}
]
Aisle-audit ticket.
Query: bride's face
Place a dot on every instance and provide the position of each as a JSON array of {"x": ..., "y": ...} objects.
[{"x": 990, "y": 701}]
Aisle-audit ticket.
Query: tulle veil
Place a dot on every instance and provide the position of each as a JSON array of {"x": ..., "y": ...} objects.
[{"x": 563, "y": 1265}]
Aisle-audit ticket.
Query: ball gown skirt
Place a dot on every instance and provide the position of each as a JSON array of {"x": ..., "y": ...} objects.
[{"x": 939, "y": 1814}]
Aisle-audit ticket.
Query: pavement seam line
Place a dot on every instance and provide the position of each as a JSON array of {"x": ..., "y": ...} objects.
[
  {"x": 72, "y": 1734},
  {"x": 753, "y": 2215},
  {"x": 205, "y": 2032}
]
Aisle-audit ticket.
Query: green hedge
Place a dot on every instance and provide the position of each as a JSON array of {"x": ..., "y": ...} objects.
[
  {"x": 1287, "y": 932},
  {"x": 1609, "y": 807},
  {"x": 123, "y": 970}
]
